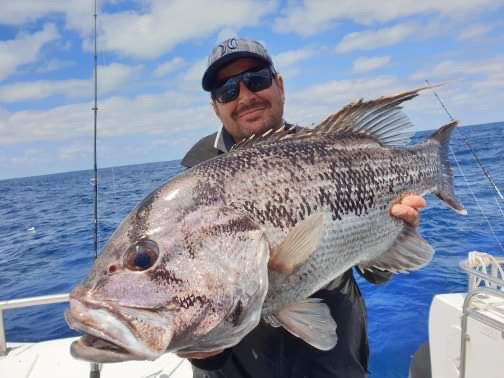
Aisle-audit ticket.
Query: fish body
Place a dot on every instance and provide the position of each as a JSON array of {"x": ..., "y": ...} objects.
[{"x": 256, "y": 232}]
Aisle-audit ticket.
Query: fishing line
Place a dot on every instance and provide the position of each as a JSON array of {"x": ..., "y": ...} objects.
[
  {"x": 476, "y": 200},
  {"x": 464, "y": 176},
  {"x": 499, "y": 206},
  {"x": 487, "y": 174}
]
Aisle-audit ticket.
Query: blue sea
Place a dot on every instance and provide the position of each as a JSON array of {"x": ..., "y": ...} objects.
[{"x": 46, "y": 243}]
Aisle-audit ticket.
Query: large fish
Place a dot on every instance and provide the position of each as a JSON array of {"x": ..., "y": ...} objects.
[{"x": 256, "y": 231}]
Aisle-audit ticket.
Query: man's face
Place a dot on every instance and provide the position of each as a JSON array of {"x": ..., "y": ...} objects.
[{"x": 250, "y": 113}]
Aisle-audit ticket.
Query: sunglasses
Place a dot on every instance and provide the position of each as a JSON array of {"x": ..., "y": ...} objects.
[{"x": 255, "y": 80}]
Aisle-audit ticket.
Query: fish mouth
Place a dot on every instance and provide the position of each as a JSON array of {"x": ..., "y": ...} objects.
[
  {"x": 108, "y": 337},
  {"x": 96, "y": 349}
]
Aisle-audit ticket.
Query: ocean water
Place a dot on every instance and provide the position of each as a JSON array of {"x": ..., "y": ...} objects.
[{"x": 46, "y": 244}]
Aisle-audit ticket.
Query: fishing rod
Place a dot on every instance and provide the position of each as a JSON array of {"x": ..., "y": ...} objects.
[
  {"x": 95, "y": 110},
  {"x": 95, "y": 368},
  {"x": 487, "y": 174}
]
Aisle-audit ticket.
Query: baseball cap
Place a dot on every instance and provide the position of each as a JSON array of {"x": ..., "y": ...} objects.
[{"x": 229, "y": 50}]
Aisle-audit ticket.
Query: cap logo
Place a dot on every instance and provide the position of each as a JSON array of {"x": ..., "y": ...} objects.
[{"x": 230, "y": 44}]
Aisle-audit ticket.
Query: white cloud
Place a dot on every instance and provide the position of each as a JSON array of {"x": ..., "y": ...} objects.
[
  {"x": 31, "y": 155},
  {"x": 165, "y": 113},
  {"x": 21, "y": 12},
  {"x": 116, "y": 75},
  {"x": 225, "y": 34},
  {"x": 373, "y": 39},
  {"x": 153, "y": 27},
  {"x": 53, "y": 65},
  {"x": 368, "y": 64},
  {"x": 111, "y": 78},
  {"x": 191, "y": 78},
  {"x": 286, "y": 59},
  {"x": 166, "y": 24},
  {"x": 169, "y": 66},
  {"x": 461, "y": 70},
  {"x": 24, "y": 49},
  {"x": 314, "y": 103},
  {"x": 75, "y": 151},
  {"x": 493, "y": 83},
  {"x": 474, "y": 32},
  {"x": 474, "y": 88},
  {"x": 337, "y": 91},
  {"x": 312, "y": 17},
  {"x": 36, "y": 90}
]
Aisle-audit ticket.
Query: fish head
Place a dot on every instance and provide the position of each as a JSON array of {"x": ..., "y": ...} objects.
[{"x": 193, "y": 279}]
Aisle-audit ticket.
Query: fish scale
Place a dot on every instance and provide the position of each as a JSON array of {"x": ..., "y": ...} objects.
[
  {"x": 255, "y": 232},
  {"x": 352, "y": 179}
]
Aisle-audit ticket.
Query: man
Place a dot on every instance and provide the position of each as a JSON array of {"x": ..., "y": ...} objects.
[{"x": 248, "y": 98}]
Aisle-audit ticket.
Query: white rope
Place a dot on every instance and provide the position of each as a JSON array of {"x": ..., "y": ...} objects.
[{"x": 483, "y": 262}]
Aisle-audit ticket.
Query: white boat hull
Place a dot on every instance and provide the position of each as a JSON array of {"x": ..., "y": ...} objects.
[{"x": 52, "y": 359}]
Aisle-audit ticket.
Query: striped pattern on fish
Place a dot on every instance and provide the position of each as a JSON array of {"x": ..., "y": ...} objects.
[
  {"x": 350, "y": 179},
  {"x": 255, "y": 232}
]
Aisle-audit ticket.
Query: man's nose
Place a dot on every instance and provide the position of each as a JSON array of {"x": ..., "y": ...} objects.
[{"x": 245, "y": 94}]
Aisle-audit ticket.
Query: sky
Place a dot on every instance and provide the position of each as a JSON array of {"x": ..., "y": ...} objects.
[{"x": 152, "y": 55}]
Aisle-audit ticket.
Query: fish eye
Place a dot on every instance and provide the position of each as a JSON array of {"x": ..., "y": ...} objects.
[{"x": 141, "y": 255}]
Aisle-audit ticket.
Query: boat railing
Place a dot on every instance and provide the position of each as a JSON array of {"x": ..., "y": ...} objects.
[
  {"x": 25, "y": 302},
  {"x": 486, "y": 279}
]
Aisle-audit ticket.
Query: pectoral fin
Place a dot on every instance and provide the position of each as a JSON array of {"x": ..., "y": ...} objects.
[
  {"x": 298, "y": 246},
  {"x": 409, "y": 252},
  {"x": 311, "y": 321}
]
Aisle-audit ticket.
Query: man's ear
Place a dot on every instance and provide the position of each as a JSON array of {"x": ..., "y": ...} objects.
[
  {"x": 280, "y": 83},
  {"x": 215, "y": 108}
]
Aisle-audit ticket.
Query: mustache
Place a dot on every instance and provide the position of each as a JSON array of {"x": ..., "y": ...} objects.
[{"x": 250, "y": 106}]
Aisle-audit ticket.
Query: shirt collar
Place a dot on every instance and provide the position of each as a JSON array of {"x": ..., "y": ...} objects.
[{"x": 223, "y": 141}]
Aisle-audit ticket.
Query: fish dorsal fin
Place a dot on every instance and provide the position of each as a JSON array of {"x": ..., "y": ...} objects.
[
  {"x": 269, "y": 136},
  {"x": 381, "y": 119}
]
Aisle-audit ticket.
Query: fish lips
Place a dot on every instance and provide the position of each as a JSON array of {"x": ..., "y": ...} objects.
[{"x": 109, "y": 338}]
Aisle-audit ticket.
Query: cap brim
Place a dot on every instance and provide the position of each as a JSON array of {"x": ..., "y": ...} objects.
[{"x": 209, "y": 79}]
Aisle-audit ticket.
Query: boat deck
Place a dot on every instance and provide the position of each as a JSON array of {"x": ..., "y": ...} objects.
[{"x": 52, "y": 359}]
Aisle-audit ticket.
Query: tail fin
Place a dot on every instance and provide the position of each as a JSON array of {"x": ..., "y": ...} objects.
[{"x": 444, "y": 190}]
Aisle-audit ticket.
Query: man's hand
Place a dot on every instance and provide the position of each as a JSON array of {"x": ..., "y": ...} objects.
[
  {"x": 198, "y": 355},
  {"x": 407, "y": 208}
]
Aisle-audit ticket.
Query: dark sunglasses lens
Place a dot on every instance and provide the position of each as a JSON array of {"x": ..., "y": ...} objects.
[
  {"x": 254, "y": 80},
  {"x": 257, "y": 81},
  {"x": 227, "y": 92}
]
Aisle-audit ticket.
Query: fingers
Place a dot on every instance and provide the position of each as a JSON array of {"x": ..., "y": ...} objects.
[
  {"x": 414, "y": 201},
  {"x": 406, "y": 213},
  {"x": 407, "y": 209}
]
